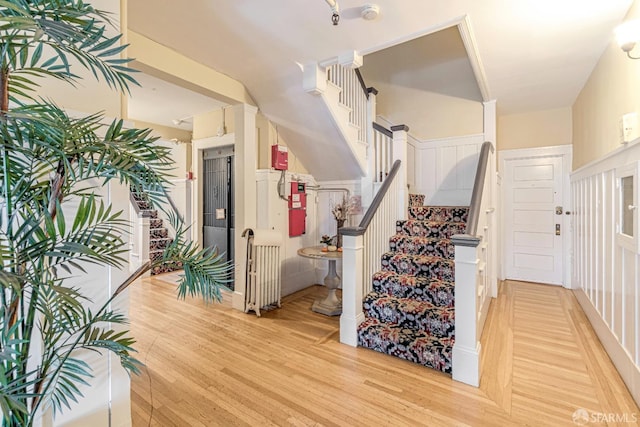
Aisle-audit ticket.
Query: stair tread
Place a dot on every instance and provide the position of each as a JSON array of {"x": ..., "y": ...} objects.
[
  {"x": 412, "y": 280},
  {"x": 421, "y": 265},
  {"x": 422, "y": 245},
  {"x": 442, "y": 206},
  {"x": 442, "y": 213},
  {"x": 408, "y": 303},
  {"x": 412, "y": 345},
  {"x": 419, "y": 257},
  {"x": 428, "y": 222},
  {"x": 437, "y": 292},
  {"x": 410, "y": 313},
  {"x": 439, "y": 341},
  {"x": 430, "y": 229}
]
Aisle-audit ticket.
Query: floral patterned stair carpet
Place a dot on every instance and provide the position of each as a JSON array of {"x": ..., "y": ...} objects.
[
  {"x": 158, "y": 235},
  {"x": 410, "y": 313}
]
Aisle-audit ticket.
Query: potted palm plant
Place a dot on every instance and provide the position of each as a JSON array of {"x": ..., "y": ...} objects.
[{"x": 48, "y": 158}]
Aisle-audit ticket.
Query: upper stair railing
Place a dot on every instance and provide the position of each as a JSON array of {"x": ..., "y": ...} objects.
[
  {"x": 350, "y": 103},
  {"x": 473, "y": 271},
  {"x": 381, "y": 149},
  {"x": 353, "y": 94},
  {"x": 363, "y": 246}
]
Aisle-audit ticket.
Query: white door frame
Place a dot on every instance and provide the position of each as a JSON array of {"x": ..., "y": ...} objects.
[
  {"x": 566, "y": 152},
  {"x": 198, "y": 147}
]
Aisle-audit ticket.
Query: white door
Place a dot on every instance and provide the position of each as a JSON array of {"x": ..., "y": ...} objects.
[{"x": 533, "y": 214}]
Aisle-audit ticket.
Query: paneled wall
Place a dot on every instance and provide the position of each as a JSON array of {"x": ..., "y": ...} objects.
[
  {"x": 606, "y": 265},
  {"x": 297, "y": 272},
  {"x": 444, "y": 169}
]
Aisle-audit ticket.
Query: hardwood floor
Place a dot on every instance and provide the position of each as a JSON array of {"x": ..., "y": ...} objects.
[{"x": 211, "y": 365}]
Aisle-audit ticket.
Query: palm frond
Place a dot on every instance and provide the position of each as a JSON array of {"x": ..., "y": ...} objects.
[{"x": 71, "y": 29}]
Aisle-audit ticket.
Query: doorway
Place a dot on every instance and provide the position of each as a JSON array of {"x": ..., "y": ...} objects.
[
  {"x": 536, "y": 226},
  {"x": 218, "y": 214}
]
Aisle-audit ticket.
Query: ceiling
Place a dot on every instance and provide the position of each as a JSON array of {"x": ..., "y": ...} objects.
[
  {"x": 160, "y": 102},
  {"x": 429, "y": 70},
  {"x": 535, "y": 55}
]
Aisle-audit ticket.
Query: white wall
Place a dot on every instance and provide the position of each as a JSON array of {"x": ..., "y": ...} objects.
[
  {"x": 328, "y": 196},
  {"x": 606, "y": 267},
  {"x": 297, "y": 272},
  {"x": 444, "y": 169},
  {"x": 106, "y": 401}
]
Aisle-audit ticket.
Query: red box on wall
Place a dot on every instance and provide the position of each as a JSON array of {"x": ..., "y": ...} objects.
[
  {"x": 297, "y": 209},
  {"x": 279, "y": 157},
  {"x": 297, "y": 222}
]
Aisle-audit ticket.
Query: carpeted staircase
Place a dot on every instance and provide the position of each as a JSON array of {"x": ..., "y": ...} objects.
[
  {"x": 410, "y": 312},
  {"x": 158, "y": 235}
]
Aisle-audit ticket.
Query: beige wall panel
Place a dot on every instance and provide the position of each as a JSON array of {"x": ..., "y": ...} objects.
[
  {"x": 535, "y": 129},
  {"x": 432, "y": 115},
  {"x": 613, "y": 89}
]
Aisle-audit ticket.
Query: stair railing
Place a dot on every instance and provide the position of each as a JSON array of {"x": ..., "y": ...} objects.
[
  {"x": 381, "y": 149},
  {"x": 353, "y": 94},
  {"x": 362, "y": 247},
  {"x": 473, "y": 266},
  {"x": 141, "y": 225}
]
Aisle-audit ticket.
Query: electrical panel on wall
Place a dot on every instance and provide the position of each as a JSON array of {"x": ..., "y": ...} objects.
[
  {"x": 297, "y": 209},
  {"x": 279, "y": 157}
]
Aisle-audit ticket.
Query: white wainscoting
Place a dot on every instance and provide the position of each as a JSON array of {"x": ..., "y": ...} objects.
[
  {"x": 444, "y": 169},
  {"x": 297, "y": 272},
  {"x": 606, "y": 270}
]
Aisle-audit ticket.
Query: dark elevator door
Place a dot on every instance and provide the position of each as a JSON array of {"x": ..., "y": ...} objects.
[{"x": 218, "y": 215}]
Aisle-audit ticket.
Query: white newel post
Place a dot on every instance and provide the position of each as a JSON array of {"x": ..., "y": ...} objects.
[
  {"x": 399, "y": 148},
  {"x": 466, "y": 349},
  {"x": 314, "y": 79},
  {"x": 352, "y": 283}
]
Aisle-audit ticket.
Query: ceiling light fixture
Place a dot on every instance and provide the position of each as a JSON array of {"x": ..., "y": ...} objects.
[
  {"x": 178, "y": 122},
  {"x": 335, "y": 9},
  {"x": 627, "y": 35}
]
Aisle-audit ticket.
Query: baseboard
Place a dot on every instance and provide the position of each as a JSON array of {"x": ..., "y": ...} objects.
[
  {"x": 466, "y": 364},
  {"x": 628, "y": 370},
  {"x": 348, "y": 329}
]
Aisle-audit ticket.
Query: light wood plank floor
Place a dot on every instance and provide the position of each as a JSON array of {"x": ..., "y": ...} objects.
[{"x": 211, "y": 365}]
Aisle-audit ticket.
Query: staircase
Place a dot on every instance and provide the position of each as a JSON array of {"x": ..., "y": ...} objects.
[
  {"x": 410, "y": 312},
  {"x": 158, "y": 234}
]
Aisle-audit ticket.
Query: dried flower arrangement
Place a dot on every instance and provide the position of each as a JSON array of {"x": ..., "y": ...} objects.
[{"x": 342, "y": 210}]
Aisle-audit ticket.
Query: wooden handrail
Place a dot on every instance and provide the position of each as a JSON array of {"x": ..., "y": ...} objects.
[
  {"x": 478, "y": 188},
  {"x": 362, "y": 83},
  {"x": 173, "y": 205},
  {"x": 382, "y": 129},
  {"x": 368, "y": 216}
]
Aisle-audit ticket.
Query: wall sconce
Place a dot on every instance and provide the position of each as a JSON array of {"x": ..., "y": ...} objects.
[{"x": 628, "y": 34}]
